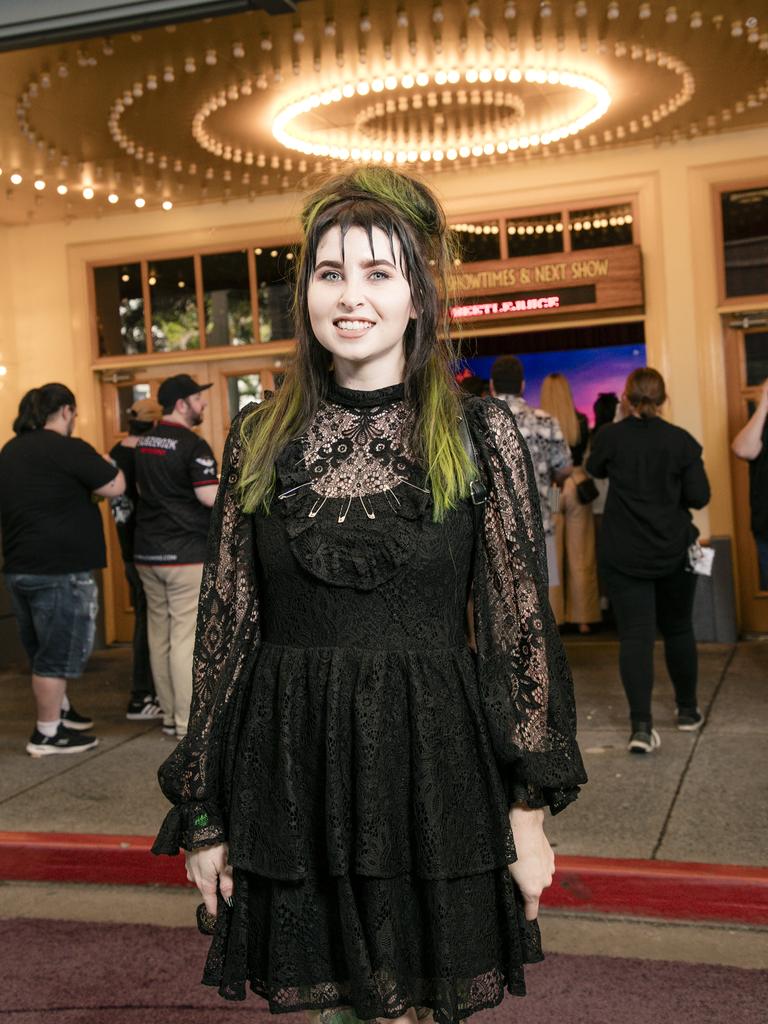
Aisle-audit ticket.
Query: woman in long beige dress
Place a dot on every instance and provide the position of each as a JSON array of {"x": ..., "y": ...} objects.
[{"x": 577, "y": 597}]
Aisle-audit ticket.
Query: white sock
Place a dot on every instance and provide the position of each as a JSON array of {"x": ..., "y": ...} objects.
[
  {"x": 65, "y": 703},
  {"x": 49, "y": 728}
]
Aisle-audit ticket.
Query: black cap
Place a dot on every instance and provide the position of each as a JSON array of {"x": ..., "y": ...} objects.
[{"x": 180, "y": 386}]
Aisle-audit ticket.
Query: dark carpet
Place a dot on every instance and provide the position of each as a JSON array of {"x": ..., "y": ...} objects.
[{"x": 65, "y": 972}]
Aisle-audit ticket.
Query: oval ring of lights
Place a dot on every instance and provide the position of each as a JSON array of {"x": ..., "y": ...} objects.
[{"x": 358, "y": 150}]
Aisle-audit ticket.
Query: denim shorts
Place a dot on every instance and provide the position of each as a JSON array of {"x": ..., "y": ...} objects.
[{"x": 57, "y": 620}]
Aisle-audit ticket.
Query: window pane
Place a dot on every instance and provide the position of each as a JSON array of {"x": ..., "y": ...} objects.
[
  {"x": 227, "y": 298},
  {"x": 601, "y": 226},
  {"x": 241, "y": 391},
  {"x": 119, "y": 310},
  {"x": 478, "y": 240},
  {"x": 530, "y": 236},
  {"x": 175, "y": 326},
  {"x": 756, "y": 357},
  {"x": 745, "y": 232},
  {"x": 273, "y": 266},
  {"x": 127, "y": 394}
]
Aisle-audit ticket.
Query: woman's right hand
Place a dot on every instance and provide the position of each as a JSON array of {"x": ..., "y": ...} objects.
[{"x": 208, "y": 866}]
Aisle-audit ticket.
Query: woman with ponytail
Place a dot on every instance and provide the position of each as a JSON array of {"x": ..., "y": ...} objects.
[
  {"x": 382, "y": 708},
  {"x": 656, "y": 476}
]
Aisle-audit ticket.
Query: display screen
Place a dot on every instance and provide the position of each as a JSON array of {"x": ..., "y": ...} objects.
[{"x": 590, "y": 371}]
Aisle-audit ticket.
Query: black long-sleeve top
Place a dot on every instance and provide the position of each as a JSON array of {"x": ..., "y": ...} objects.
[{"x": 656, "y": 476}]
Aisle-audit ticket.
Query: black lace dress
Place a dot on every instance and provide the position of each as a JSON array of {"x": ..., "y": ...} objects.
[{"x": 357, "y": 755}]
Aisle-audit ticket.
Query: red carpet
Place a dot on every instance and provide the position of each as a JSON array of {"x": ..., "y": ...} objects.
[{"x": 63, "y": 972}]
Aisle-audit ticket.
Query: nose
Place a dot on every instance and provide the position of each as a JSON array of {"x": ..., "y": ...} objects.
[{"x": 351, "y": 296}]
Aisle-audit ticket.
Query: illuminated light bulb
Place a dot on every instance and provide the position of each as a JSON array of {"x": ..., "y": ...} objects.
[
  {"x": 181, "y": 283},
  {"x": 88, "y": 192},
  {"x": 500, "y": 74},
  {"x": 377, "y": 85},
  {"x": 510, "y": 10},
  {"x": 471, "y": 76},
  {"x": 697, "y": 19},
  {"x": 670, "y": 15},
  {"x": 580, "y": 9},
  {"x": 62, "y": 189},
  {"x": 363, "y": 88},
  {"x": 390, "y": 82},
  {"x": 167, "y": 204},
  {"x": 473, "y": 9},
  {"x": 238, "y": 50},
  {"x": 539, "y": 229},
  {"x": 422, "y": 78},
  {"x": 113, "y": 198},
  {"x": 486, "y": 75},
  {"x": 140, "y": 202},
  {"x": 489, "y": 148},
  {"x": 348, "y": 90},
  {"x": 298, "y": 35},
  {"x": 266, "y": 42},
  {"x": 39, "y": 184},
  {"x": 550, "y": 229},
  {"x": 737, "y": 29},
  {"x": 628, "y": 218},
  {"x": 612, "y": 11},
  {"x": 190, "y": 66},
  {"x": 545, "y": 9},
  {"x": 16, "y": 178},
  {"x": 152, "y": 280},
  {"x": 329, "y": 30},
  {"x": 407, "y": 81},
  {"x": 441, "y": 78}
]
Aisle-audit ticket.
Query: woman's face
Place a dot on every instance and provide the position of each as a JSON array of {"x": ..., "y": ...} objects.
[{"x": 360, "y": 304}]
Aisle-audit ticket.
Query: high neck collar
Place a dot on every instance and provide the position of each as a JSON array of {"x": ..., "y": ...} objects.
[{"x": 364, "y": 399}]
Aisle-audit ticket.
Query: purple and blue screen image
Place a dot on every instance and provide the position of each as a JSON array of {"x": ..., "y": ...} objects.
[{"x": 590, "y": 371}]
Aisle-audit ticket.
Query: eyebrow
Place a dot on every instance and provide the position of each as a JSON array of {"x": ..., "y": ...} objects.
[{"x": 367, "y": 264}]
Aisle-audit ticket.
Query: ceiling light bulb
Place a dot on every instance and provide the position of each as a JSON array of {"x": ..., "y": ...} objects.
[
  {"x": 612, "y": 12},
  {"x": 402, "y": 18},
  {"x": 211, "y": 58},
  {"x": 737, "y": 29},
  {"x": 113, "y": 198},
  {"x": 473, "y": 9},
  {"x": 39, "y": 184},
  {"x": 438, "y": 14},
  {"x": 510, "y": 10},
  {"x": 152, "y": 280},
  {"x": 330, "y": 28},
  {"x": 62, "y": 189},
  {"x": 298, "y": 35},
  {"x": 697, "y": 19},
  {"x": 365, "y": 23},
  {"x": 670, "y": 15},
  {"x": 644, "y": 11},
  {"x": 189, "y": 65},
  {"x": 88, "y": 192},
  {"x": 545, "y": 9},
  {"x": 266, "y": 42},
  {"x": 167, "y": 204},
  {"x": 140, "y": 202},
  {"x": 16, "y": 178},
  {"x": 238, "y": 51}
]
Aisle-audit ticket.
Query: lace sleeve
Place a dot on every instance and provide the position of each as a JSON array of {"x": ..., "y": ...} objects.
[
  {"x": 525, "y": 680},
  {"x": 197, "y": 776}
]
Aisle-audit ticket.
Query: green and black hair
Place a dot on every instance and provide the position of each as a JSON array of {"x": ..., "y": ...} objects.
[{"x": 406, "y": 210}]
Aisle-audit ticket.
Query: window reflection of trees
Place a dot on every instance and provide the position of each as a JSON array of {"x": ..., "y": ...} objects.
[{"x": 175, "y": 324}]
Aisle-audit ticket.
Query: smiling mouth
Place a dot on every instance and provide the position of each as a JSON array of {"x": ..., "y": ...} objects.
[{"x": 353, "y": 325}]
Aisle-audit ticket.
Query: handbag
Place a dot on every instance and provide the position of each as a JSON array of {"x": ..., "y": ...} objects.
[{"x": 586, "y": 491}]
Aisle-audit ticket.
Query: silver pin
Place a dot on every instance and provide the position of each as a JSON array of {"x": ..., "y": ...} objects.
[
  {"x": 369, "y": 513},
  {"x": 293, "y": 490},
  {"x": 317, "y": 506},
  {"x": 343, "y": 515},
  {"x": 392, "y": 498}
]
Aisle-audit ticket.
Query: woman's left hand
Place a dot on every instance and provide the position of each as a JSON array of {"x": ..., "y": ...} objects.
[{"x": 535, "y": 865}]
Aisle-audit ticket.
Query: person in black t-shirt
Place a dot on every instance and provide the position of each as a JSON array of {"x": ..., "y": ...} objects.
[
  {"x": 142, "y": 416},
  {"x": 656, "y": 476},
  {"x": 751, "y": 444},
  {"x": 52, "y": 541},
  {"x": 177, "y": 484}
]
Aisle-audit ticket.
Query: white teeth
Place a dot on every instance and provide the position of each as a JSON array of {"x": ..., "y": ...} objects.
[{"x": 353, "y": 325}]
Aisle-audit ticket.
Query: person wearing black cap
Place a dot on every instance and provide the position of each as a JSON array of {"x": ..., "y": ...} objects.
[{"x": 177, "y": 483}]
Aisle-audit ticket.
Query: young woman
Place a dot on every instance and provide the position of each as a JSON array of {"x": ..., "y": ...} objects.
[
  {"x": 656, "y": 476},
  {"x": 364, "y": 790},
  {"x": 577, "y": 597}
]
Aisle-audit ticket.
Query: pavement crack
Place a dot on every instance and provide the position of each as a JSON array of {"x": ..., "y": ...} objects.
[{"x": 683, "y": 775}]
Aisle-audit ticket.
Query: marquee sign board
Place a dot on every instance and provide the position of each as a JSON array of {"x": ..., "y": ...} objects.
[{"x": 588, "y": 281}]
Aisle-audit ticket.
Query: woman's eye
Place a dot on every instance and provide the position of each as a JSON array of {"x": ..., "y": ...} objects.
[
  {"x": 330, "y": 275},
  {"x": 380, "y": 275}
]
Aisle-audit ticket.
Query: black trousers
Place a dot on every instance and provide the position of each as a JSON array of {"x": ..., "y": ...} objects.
[
  {"x": 142, "y": 683},
  {"x": 640, "y": 606}
]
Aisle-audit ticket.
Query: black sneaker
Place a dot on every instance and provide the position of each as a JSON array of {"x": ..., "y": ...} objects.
[
  {"x": 140, "y": 710},
  {"x": 644, "y": 739},
  {"x": 689, "y": 719},
  {"x": 72, "y": 720},
  {"x": 64, "y": 742}
]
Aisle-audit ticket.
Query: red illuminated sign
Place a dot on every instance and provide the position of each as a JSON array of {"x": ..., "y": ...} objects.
[{"x": 505, "y": 307}]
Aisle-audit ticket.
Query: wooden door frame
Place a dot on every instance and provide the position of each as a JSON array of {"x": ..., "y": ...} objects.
[{"x": 753, "y": 602}]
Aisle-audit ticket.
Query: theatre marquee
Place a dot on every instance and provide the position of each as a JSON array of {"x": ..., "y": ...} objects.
[{"x": 577, "y": 282}]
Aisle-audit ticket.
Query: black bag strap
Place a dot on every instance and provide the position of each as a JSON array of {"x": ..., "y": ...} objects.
[{"x": 477, "y": 491}]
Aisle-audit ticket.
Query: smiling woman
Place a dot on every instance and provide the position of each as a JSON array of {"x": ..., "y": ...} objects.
[{"x": 361, "y": 790}]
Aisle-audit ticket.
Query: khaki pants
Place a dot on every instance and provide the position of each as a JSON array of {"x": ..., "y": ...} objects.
[
  {"x": 172, "y": 594},
  {"x": 577, "y": 598}
]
